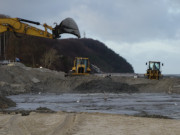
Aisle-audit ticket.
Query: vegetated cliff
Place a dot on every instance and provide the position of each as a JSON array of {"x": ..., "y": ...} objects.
[{"x": 59, "y": 54}]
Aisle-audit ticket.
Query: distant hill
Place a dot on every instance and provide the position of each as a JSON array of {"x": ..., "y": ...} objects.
[{"x": 33, "y": 51}]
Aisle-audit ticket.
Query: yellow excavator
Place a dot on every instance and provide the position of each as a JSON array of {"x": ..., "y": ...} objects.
[
  {"x": 19, "y": 25},
  {"x": 153, "y": 71},
  {"x": 16, "y": 25},
  {"x": 81, "y": 66}
]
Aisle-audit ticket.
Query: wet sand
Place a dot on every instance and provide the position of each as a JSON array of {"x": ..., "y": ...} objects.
[
  {"x": 141, "y": 104},
  {"x": 62, "y": 123}
]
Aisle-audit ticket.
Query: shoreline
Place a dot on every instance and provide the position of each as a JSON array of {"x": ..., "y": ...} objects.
[
  {"x": 135, "y": 104},
  {"x": 19, "y": 79}
]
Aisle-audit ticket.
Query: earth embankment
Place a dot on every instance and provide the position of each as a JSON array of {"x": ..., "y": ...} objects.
[{"x": 18, "y": 78}]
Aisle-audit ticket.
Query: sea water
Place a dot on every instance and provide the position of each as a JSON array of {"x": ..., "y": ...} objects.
[{"x": 123, "y": 103}]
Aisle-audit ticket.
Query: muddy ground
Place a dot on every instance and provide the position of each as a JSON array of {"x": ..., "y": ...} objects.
[{"x": 17, "y": 78}]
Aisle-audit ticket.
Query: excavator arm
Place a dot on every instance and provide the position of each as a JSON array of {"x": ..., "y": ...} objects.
[{"x": 19, "y": 25}]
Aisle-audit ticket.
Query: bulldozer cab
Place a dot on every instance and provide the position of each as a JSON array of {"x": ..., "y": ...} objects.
[
  {"x": 81, "y": 66},
  {"x": 154, "y": 65},
  {"x": 153, "y": 71}
]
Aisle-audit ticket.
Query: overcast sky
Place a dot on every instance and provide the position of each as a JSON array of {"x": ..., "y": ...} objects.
[{"x": 138, "y": 30}]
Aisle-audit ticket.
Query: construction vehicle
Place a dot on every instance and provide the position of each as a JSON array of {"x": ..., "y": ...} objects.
[
  {"x": 81, "y": 66},
  {"x": 18, "y": 25},
  {"x": 153, "y": 71}
]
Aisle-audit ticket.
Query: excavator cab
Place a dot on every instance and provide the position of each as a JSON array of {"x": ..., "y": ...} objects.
[
  {"x": 153, "y": 71},
  {"x": 81, "y": 66}
]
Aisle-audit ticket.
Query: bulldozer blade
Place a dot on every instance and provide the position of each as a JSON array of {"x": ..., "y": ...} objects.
[{"x": 68, "y": 25}]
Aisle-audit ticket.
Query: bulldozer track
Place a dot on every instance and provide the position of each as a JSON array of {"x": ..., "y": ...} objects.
[
  {"x": 18, "y": 125},
  {"x": 65, "y": 127}
]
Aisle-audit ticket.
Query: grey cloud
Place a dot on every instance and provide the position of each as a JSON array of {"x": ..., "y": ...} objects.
[
  {"x": 125, "y": 20},
  {"x": 119, "y": 21},
  {"x": 33, "y": 9},
  {"x": 137, "y": 21}
]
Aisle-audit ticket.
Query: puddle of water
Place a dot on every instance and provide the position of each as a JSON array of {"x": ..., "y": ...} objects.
[{"x": 131, "y": 104}]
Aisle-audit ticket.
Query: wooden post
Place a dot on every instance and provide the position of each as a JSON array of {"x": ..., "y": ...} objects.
[
  {"x": 4, "y": 45},
  {"x": 0, "y": 46}
]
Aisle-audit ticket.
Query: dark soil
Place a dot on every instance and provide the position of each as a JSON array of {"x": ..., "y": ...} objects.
[
  {"x": 6, "y": 102},
  {"x": 106, "y": 85},
  {"x": 145, "y": 114},
  {"x": 44, "y": 110}
]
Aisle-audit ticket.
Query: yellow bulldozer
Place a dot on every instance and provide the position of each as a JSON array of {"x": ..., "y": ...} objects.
[
  {"x": 153, "y": 71},
  {"x": 81, "y": 66}
]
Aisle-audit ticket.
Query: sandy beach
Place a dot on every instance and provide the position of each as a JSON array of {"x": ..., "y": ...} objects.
[{"x": 62, "y": 123}]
